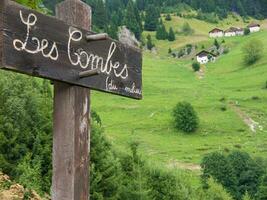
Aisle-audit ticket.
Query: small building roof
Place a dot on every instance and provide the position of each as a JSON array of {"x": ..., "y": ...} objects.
[
  {"x": 239, "y": 29},
  {"x": 216, "y": 30},
  {"x": 253, "y": 25},
  {"x": 204, "y": 53},
  {"x": 231, "y": 30}
]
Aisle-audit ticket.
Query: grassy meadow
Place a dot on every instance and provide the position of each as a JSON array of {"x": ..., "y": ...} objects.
[{"x": 228, "y": 95}]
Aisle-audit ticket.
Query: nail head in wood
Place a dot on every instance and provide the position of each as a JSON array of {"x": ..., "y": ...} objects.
[
  {"x": 88, "y": 73},
  {"x": 95, "y": 37}
]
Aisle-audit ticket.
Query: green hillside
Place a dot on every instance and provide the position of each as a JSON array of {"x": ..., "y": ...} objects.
[{"x": 227, "y": 83}]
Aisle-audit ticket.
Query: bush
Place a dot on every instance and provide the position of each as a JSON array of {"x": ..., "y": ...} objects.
[
  {"x": 168, "y": 17},
  {"x": 246, "y": 31},
  {"x": 262, "y": 192},
  {"x": 215, "y": 191},
  {"x": 196, "y": 66},
  {"x": 185, "y": 117},
  {"x": 253, "y": 51},
  {"x": 226, "y": 50},
  {"x": 237, "y": 172},
  {"x": 187, "y": 30}
]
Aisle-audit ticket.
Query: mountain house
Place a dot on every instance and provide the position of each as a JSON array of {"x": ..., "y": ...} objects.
[
  {"x": 253, "y": 27},
  {"x": 234, "y": 31},
  {"x": 216, "y": 32},
  {"x": 204, "y": 57},
  {"x": 230, "y": 32}
]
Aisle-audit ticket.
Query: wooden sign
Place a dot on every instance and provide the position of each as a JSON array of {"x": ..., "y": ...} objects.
[{"x": 43, "y": 46}]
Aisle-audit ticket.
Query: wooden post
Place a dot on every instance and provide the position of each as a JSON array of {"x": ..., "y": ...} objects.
[{"x": 71, "y": 139}]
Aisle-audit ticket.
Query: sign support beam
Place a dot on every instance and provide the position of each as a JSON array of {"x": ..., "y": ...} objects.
[{"x": 71, "y": 132}]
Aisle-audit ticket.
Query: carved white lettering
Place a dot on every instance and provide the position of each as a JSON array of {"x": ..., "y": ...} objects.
[{"x": 41, "y": 46}]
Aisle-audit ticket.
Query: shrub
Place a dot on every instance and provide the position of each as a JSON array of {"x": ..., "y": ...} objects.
[
  {"x": 253, "y": 51},
  {"x": 186, "y": 29},
  {"x": 226, "y": 50},
  {"x": 223, "y": 108},
  {"x": 246, "y": 31},
  {"x": 185, "y": 117},
  {"x": 262, "y": 192},
  {"x": 237, "y": 172},
  {"x": 181, "y": 53},
  {"x": 216, "y": 191},
  {"x": 169, "y": 51},
  {"x": 168, "y": 17},
  {"x": 196, "y": 66}
]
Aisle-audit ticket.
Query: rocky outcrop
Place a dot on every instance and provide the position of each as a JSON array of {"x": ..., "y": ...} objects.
[
  {"x": 127, "y": 37},
  {"x": 13, "y": 191}
]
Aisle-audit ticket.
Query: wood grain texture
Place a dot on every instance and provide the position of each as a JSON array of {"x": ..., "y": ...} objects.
[
  {"x": 71, "y": 140},
  {"x": 2, "y": 5},
  {"x": 55, "y": 30}
]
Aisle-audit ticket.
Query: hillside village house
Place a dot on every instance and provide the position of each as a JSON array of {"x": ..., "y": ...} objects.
[
  {"x": 230, "y": 32},
  {"x": 240, "y": 31},
  {"x": 204, "y": 57},
  {"x": 253, "y": 27},
  {"x": 216, "y": 32}
]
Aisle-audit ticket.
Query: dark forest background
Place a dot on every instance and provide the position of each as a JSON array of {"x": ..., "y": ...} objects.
[{"x": 108, "y": 15}]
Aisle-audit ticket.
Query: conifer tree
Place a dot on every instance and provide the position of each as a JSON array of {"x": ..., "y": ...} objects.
[
  {"x": 134, "y": 185},
  {"x": 105, "y": 170},
  {"x": 100, "y": 14},
  {"x": 141, "y": 4},
  {"x": 262, "y": 192},
  {"x": 130, "y": 20},
  {"x": 171, "y": 36},
  {"x": 151, "y": 18},
  {"x": 216, "y": 44},
  {"x": 113, "y": 31},
  {"x": 149, "y": 45},
  {"x": 161, "y": 33}
]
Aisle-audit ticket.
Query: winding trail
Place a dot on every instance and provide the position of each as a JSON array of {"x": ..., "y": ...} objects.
[{"x": 252, "y": 124}]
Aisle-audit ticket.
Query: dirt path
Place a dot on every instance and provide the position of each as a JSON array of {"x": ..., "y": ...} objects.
[
  {"x": 201, "y": 73},
  {"x": 253, "y": 125},
  {"x": 172, "y": 164}
]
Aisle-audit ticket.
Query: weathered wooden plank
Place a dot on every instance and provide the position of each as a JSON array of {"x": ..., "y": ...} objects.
[
  {"x": 2, "y": 5},
  {"x": 58, "y": 51},
  {"x": 71, "y": 123}
]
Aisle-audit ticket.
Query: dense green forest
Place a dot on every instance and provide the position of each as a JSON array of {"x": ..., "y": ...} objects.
[{"x": 108, "y": 15}]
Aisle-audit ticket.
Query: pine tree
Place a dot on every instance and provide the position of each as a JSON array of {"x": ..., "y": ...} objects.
[
  {"x": 141, "y": 4},
  {"x": 171, "y": 36},
  {"x": 135, "y": 180},
  {"x": 216, "y": 44},
  {"x": 161, "y": 33},
  {"x": 113, "y": 31},
  {"x": 105, "y": 170},
  {"x": 151, "y": 18},
  {"x": 100, "y": 14},
  {"x": 262, "y": 192},
  {"x": 150, "y": 45},
  {"x": 130, "y": 20}
]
